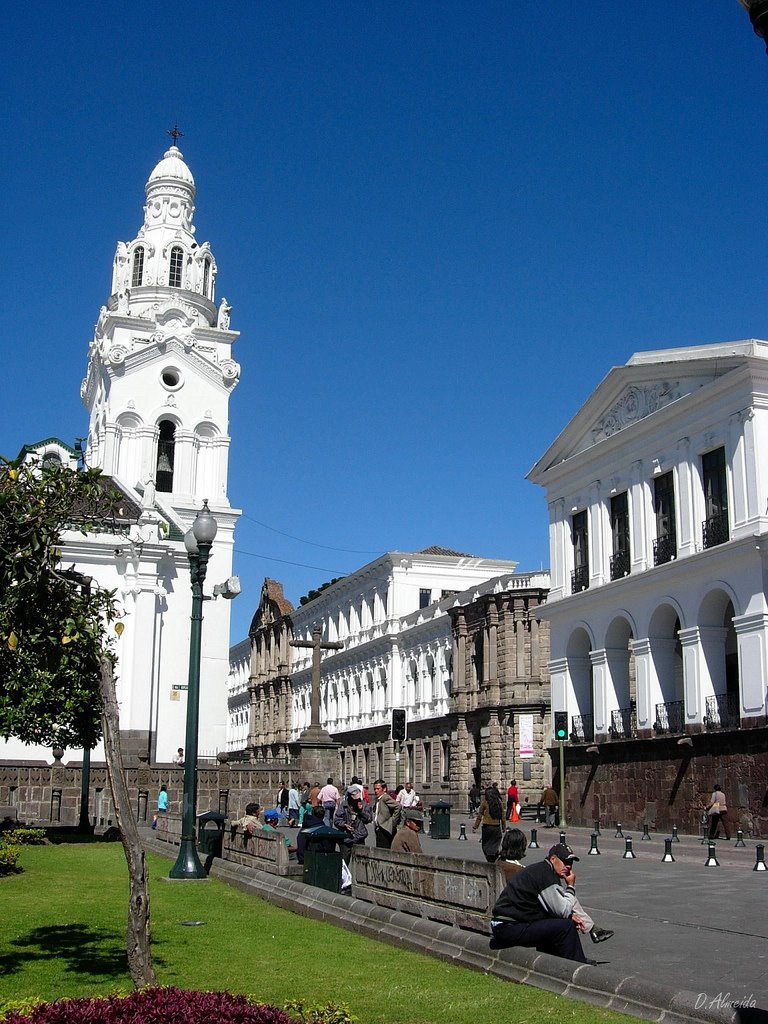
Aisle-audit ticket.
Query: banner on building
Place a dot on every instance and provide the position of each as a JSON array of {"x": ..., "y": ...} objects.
[{"x": 525, "y": 724}]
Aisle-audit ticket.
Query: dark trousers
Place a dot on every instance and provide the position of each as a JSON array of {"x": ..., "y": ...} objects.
[
  {"x": 719, "y": 819},
  {"x": 383, "y": 838},
  {"x": 556, "y": 935}
]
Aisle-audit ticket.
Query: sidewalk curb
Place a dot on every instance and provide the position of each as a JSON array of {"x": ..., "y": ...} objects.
[{"x": 599, "y": 986}]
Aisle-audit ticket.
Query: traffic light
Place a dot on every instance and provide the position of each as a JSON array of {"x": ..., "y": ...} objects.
[
  {"x": 561, "y": 726},
  {"x": 398, "y": 724}
]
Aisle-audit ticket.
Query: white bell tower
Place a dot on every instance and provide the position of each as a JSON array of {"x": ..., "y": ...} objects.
[{"x": 160, "y": 366}]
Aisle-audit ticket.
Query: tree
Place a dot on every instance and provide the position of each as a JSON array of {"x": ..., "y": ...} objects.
[{"x": 57, "y": 683}]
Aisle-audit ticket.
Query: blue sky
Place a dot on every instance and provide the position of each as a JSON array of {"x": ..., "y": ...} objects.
[{"x": 438, "y": 224}]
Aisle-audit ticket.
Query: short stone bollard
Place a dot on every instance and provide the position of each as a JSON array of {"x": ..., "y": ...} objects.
[
  {"x": 597, "y": 826},
  {"x": 593, "y": 850},
  {"x": 760, "y": 864},
  {"x": 740, "y": 837},
  {"x": 711, "y": 861},
  {"x": 619, "y": 833},
  {"x": 675, "y": 836},
  {"x": 562, "y": 838},
  {"x": 668, "y": 858},
  {"x": 629, "y": 853},
  {"x": 534, "y": 843},
  {"x": 646, "y": 834},
  {"x": 463, "y": 832}
]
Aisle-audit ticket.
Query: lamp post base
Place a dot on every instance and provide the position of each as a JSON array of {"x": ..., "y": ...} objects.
[{"x": 188, "y": 864}]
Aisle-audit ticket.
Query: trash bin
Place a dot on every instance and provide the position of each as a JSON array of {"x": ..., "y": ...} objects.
[
  {"x": 440, "y": 820},
  {"x": 322, "y": 857},
  {"x": 210, "y": 833}
]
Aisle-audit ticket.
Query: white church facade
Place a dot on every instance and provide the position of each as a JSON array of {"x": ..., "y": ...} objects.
[
  {"x": 658, "y": 509},
  {"x": 159, "y": 379}
]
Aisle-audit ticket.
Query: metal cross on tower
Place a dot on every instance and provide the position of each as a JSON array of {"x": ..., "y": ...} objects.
[{"x": 175, "y": 134}]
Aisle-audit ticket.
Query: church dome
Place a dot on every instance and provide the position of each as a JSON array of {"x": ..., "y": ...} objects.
[{"x": 172, "y": 167}]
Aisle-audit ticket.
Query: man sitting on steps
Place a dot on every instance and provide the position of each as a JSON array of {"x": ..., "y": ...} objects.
[{"x": 535, "y": 910}]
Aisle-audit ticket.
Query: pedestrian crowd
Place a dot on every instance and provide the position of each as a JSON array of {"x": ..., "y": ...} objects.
[{"x": 396, "y": 815}]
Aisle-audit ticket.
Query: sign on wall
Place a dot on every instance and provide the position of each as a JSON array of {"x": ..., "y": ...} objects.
[{"x": 525, "y": 724}]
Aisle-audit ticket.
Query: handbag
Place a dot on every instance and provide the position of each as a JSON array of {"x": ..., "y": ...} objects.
[{"x": 714, "y": 809}]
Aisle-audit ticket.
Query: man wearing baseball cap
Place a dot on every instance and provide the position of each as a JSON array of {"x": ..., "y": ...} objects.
[{"x": 535, "y": 909}]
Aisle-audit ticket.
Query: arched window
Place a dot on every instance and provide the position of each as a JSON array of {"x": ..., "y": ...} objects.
[
  {"x": 175, "y": 267},
  {"x": 206, "y": 276},
  {"x": 166, "y": 446},
  {"x": 138, "y": 266}
]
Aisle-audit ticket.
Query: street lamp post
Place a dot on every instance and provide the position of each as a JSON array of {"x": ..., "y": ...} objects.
[
  {"x": 198, "y": 541},
  {"x": 758, "y": 15}
]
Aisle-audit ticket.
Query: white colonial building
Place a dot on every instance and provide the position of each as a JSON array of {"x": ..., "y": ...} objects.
[
  {"x": 453, "y": 639},
  {"x": 157, "y": 389},
  {"x": 658, "y": 507}
]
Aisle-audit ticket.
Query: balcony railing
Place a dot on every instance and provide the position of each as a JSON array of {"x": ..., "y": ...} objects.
[
  {"x": 664, "y": 549},
  {"x": 579, "y": 579},
  {"x": 723, "y": 711},
  {"x": 619, "y": 565},
  {"x": 714, "y": 530},
  {"x": 670, "y": 717},
  {"x": 582, "y": 729},
  {"x": 623, "y": 723}
]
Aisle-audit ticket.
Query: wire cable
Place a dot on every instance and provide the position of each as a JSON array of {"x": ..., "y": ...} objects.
[
  {"x": 314, "y": 544},
  {"x": 285, "y": 561}
]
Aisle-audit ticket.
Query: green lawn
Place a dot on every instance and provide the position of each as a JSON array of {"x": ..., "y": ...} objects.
[{"x": 62, "y": 926}]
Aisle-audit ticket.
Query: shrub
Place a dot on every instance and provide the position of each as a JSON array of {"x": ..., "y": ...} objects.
[
  {"x": 154, "y": 1006},
  {"x": 327, "y": 1014},
  {"x": 11, "y": 843}
]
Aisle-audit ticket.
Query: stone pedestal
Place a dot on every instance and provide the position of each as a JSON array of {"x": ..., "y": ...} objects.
[{"x": 317, "y": 755}]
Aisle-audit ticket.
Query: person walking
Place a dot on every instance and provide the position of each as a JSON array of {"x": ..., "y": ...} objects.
[
  {"x": 550, "y": 801},
  {"x": 329, "y": 799},
  {"x": 490, "y": 815},
  {"x": 162, "y": 806},
  {"x": 513, "y": 800},
  {"x": 294, "y": 806},
  {"x": 717, "y": 812}
]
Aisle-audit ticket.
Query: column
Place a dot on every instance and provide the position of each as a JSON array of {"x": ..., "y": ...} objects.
[
  {"x": 687, "y": 503},
  {"x": 752, "y": 637},
  {"x": 697, "y": 680},
  {"x": 646, "y": 702},
  {"x": 601, "y": 688},
  {"x": 639, "y": 499},
  {"x": 598, "y": 531}
]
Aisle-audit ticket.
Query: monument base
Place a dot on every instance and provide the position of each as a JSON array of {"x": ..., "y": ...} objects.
[{"x": 317, "y": 755}]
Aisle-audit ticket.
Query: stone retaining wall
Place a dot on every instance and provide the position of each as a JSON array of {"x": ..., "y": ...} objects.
[
  {"x": 456, "y": 892},
  {"x": 666, "y": 783}
]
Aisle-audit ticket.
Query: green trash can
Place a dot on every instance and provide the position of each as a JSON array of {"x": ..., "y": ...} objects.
[
  {"x": 322, "y": 857},
  {"x": 440, "y": 820},
  {"x": 210, "y": 833}
]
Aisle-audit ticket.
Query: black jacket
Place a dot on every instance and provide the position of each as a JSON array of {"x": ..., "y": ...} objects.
[{"x": 534, "y": 894}]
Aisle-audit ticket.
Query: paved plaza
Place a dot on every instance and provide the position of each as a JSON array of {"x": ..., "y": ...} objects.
[{"x": 684, "y": 925}]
